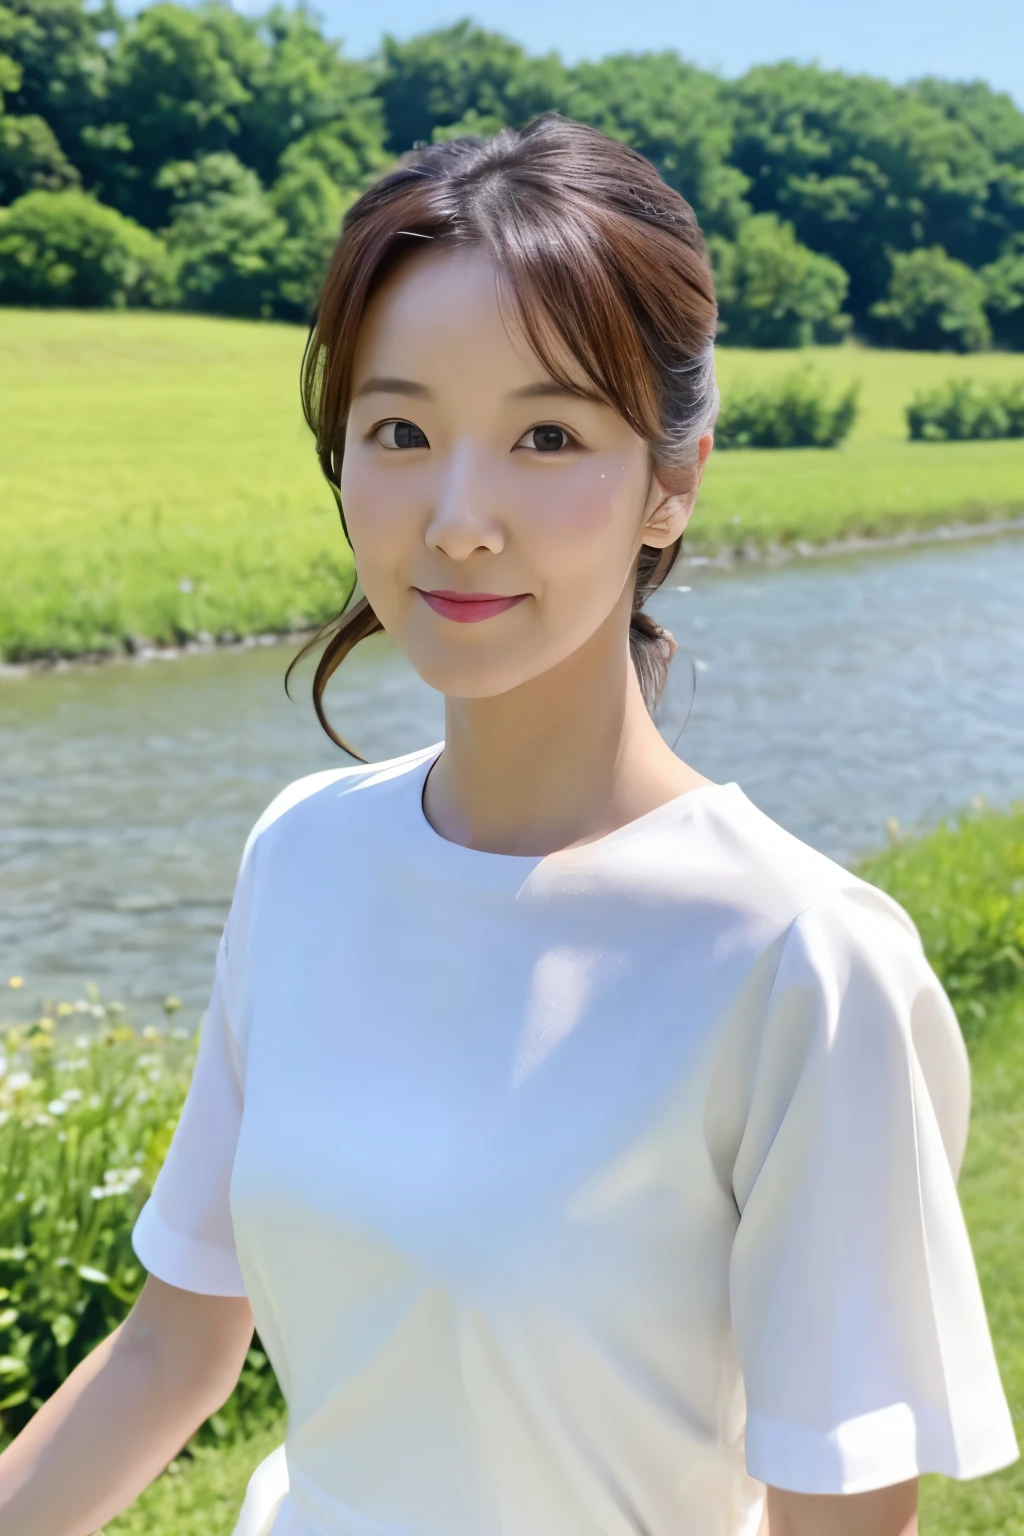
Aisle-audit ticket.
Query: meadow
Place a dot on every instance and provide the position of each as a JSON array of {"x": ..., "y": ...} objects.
[
  {"x": 157, "y": 480},
  {"x": 87, "y": 1108}
]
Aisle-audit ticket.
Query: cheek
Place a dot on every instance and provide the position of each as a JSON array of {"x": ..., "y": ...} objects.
[
  {"x": 381, "y": 509},
  {"x": 591, "y": 508}
]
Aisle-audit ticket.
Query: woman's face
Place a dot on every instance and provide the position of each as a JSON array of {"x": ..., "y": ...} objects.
[{"x": 469, "y": 473}]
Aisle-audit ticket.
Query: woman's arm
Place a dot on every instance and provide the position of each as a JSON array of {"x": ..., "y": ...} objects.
[
  {"x": 123, "y": 1414},
  {"x": 882, "y": 1512}
]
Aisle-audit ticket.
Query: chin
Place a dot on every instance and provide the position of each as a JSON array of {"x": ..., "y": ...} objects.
[{"x": 464, "y": 677}]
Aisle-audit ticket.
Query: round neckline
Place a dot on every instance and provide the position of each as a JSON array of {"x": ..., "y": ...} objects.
[{"x": 522, "y": 863}]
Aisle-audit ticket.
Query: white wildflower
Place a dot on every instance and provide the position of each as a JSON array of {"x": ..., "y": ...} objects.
[
  {"x": 57, "y": 1107},
  {"x": 19, "y": 1080},
  {"x": 71, "y": 1095}
]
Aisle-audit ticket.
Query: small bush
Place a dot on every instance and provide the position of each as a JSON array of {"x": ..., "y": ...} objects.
[
  {"x": 86, "y": 1117},
  {"x": 66, "y": 249},
  {"x": 963, "y": 409},
  {"x": 798, "y": 411}
]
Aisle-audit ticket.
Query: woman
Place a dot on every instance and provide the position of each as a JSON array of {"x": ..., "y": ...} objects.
[{"x": 584, "y": 1144}]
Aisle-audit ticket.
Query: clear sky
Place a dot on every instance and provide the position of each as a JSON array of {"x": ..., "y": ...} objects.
[{"x": 900, "y": 39}]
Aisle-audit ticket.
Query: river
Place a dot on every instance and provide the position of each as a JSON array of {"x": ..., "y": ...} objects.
[{"x": 838, "y": 693}]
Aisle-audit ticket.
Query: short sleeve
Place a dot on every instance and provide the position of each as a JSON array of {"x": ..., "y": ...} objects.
[
  {"x": 856, "y": 1306},
  {"x": 184, "y": 1233}
]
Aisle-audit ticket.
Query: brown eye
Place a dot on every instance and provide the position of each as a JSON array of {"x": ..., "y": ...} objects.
[
  {"x": 400, "y": 434},
  {"x": 545, "y": 439}
]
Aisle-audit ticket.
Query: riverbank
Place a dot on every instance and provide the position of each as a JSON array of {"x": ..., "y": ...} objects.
[
  {"x": 159, "y": 483},
  {"x": 140, "y": 651}
]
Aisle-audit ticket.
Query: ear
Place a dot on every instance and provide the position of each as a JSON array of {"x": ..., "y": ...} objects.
[{"x": 673, "y": 496}]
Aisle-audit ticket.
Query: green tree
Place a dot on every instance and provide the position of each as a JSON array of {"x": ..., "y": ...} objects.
[
  {"x": 433, "y": 81},
  {"x": 316, "y": 184},
  {"x": 301, "y": 85},
  {"x": 177, "y": 85},
  {"x": 61, "y": 64},
  {"x": 678, "y": 117},
  {"x": 861, "y": 168},
  {"x": 1004, "y": 295},
  {"x": 224, "y": 236},
  {"x": 64, "y": 248},
  {"x": 773, "y": 291},
  {"x": 934, "y": 303},
  {"x": 30, "y": 158}
]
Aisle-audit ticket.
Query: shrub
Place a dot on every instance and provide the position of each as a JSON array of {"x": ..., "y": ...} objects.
[
  {"x": 65, "y": 248},
  {"x": 961, "y": 409},
  {"x": 797, "y": 411},
  {"x": 86, "y": 1117}
]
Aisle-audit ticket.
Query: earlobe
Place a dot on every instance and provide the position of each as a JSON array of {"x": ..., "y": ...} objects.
[{"x": 668, "y": 521}]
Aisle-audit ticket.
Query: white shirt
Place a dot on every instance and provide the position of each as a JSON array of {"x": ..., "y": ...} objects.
[{"x": 578, "y": 1195}]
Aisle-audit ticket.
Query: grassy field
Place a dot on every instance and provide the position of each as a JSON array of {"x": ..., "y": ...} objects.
[{"x": 157, "y": 478}]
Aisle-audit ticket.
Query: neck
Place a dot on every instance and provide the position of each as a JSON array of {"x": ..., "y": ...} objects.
[{"x": 555, "y": 762}]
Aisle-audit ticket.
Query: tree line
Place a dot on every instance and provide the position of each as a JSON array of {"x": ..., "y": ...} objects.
[{"x": 197, "y": 158}]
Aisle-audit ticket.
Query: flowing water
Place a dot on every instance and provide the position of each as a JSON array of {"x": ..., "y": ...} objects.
[{"x": 838, "y": 693}]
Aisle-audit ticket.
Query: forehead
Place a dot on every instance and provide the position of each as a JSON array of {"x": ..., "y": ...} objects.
[{"x": 445, "y": 311}]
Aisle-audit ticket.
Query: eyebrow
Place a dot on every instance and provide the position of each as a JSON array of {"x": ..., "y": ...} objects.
[
  {"x": 385, "y": 386},
  {"x": 543, "y": 389},
  {"x": 550, "y": 388}
]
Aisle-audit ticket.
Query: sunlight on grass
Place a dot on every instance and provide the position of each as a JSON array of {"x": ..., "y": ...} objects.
[{"x": 158, "y": 479}]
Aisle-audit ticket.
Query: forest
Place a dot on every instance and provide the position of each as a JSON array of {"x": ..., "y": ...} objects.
[{"x": 189, "y": 157}]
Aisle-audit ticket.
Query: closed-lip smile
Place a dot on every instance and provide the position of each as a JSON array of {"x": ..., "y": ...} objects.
[{"x": 468, "y": 607}]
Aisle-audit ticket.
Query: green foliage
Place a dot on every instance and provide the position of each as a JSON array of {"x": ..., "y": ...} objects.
[
  {"x": 61, "y": 63},
  {"x": 202, "y": 1490},
  {"x": 86, "y": 1117},
  {"x": 899, "y": 208},
  {"x": 1004, "y": 295},
  {"x": 863, "y": 168},
  {"x": 31, "y": 158},
  {"x": 934, "y": 303},
  {"x": 963, "y": 884},
  {"x": 65, "y": 248},
  {"x": 462, "y": 75},
  {"x": 304, "y": 92},
  {"x": 773, "y": 291},
  {"x": 798, "y": 411},
  {"x": 962, "y": 409},
  {"x": 678, "y": 117},
  {"x": 224, "y": 236}
]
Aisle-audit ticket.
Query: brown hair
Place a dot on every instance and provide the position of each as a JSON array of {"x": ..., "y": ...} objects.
[{"x": 593, "y": 247}]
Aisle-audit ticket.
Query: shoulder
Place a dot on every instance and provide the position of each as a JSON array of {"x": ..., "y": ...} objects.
[
  {"x": 792, "y": 883},
  {"x": 326, "y": 801}
]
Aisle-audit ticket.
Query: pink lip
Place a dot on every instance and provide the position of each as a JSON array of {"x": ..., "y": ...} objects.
[{"x": 468, "y": 607}]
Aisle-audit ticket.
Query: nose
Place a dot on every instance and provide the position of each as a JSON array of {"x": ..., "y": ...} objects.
[{"x": 464, "y": 518}]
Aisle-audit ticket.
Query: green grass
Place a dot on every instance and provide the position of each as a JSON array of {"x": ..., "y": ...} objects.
[
  {"x": 201, "y": 1494},
  {"x": 990, "y": 1191},
  {"x": 147, "y": 452}
]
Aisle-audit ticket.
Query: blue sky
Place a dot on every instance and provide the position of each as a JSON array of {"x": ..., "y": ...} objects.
[{"x": 900, "y": 39}]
